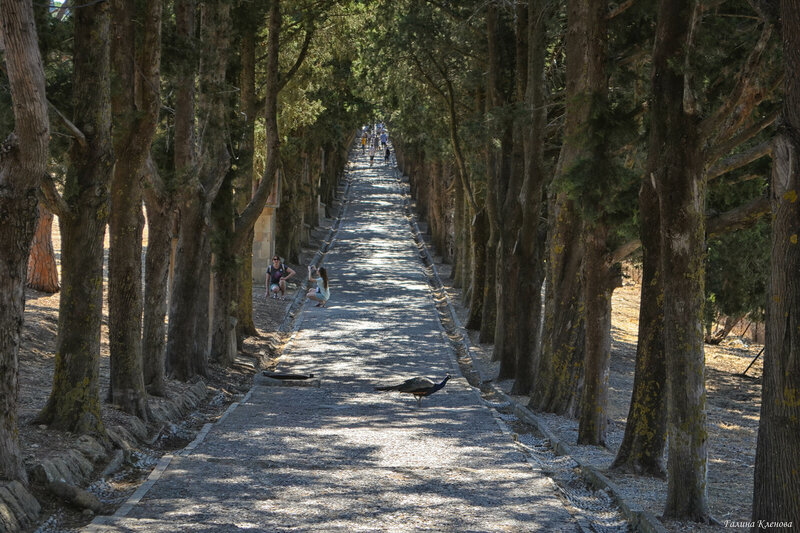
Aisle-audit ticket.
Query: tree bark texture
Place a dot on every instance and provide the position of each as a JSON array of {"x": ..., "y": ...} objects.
[
  {"x": 42, "y": 268},
  {"x": 496, "y": 154},
  {"x": 777, "y": 475},
  {"x": 187, "y": 330},
  {"x": 243, "y": 184},
  {"x": 531, "y": 243},
  {"x": 74, "y": 403},
  {"x": 160, "y": 219},
  {"x": 599, "y": 278},
  {"x": 508, "y": 259},
  {"x": 560, "y": 365},
  {"x": 187, "y": 337},
  {"x": 642, "y": 448},
  {"x": 223, "y": 326},
  {"x": 674, "y": 135},
  {"x": 561, "y": 361},
  {"x": 508, "y": 265},
  {"x": 287, "y": 234},
  {"x": 460, "y": 242},
  {"x": 479, "y": 236},
  {"x": 135, "y": 102},
  {"x": 23, "y": 161}
]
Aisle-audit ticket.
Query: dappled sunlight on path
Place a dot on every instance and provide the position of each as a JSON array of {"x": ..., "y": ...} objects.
[{"x": 342, "y": 456}]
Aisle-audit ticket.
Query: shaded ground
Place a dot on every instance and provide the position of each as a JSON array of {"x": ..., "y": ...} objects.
[{"x": 733, "y": 408}]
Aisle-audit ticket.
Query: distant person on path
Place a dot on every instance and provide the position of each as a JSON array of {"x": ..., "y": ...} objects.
[
  {"x": 321, "y": 293},
  {"x": 384, "y": 139},
  {"x": 364, "y": 142},
  {"x": 371, "y": 154},
  {"x": 277, "y": 274},
  {"x": 387, "y": 156}
]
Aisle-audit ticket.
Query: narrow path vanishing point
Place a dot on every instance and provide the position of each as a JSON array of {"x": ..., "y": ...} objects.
[{"x": 342, "y": 457}]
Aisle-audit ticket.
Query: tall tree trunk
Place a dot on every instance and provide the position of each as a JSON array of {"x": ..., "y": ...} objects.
[
  {"x": 42, "y": 268},
  {"x": 287, "y": 236},
  {"x": 479, "y": 236},
  {"x": 530, "y": 248},
  {"x": 681, "y": 192},
  {"x": 509, "y": 267},
  {"x": 459, "y": 265},
  {"x": 22, "y": 166},
  {"x": 244, "y": 181},
  {"x": 223, "y": 327},
  {"x": 495, "y": 176},
  {"x": 135, "y": 104},
  {"x": 182, "y": 359},
  {"x": 188, "y": 341},
  {"x": 599, "y": 277},
  {"x": 777, "y": 475},
  {"x": 642, "y": 448},
  {"x": 560, "y": 365},
  {"x": 160, "y": 219},
  {"x": 74, "y": 403},
  {"x": 187, "y": 337}
]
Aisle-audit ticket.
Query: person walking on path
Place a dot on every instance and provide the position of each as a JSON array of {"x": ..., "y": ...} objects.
[
  {"x": 384, "y": 139},
  {"x": 387, "y": 155},
  {"x": 364, "y": 142},
  {"x": 322, "y": 292},
  {"x": 277, "y": 274}
]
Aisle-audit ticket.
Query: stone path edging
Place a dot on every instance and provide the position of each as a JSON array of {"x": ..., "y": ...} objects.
[
  {"x": 640, "y": 519},
  {"x": 289, "y": 321}
]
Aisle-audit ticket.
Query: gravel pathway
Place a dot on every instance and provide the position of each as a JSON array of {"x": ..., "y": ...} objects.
[{"x": 342, "y": 457}]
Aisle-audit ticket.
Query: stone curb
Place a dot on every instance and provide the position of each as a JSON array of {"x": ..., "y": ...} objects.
[
  {"x": 193, "y": 396},
  {"x": 640, "y": 519}
]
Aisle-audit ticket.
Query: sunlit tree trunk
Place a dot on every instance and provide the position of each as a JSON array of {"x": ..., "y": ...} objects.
[{"x": 42, "y": 268}]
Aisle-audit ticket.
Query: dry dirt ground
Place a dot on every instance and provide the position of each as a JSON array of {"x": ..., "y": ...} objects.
[
  {"x": 733, "y": 406},
  {"x": 36, "y": 375}
]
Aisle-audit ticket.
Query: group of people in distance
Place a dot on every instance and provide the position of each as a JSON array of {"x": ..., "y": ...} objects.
[
  {"x": 278, "y": 273},
  {"x": 377, "y": 139}
]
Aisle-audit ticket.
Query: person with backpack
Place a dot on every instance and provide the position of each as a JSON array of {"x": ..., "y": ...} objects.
[{"x": 277, "y": 274}]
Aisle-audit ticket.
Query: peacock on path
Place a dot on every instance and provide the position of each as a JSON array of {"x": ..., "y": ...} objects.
[{"x": 419, "y": 387}]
